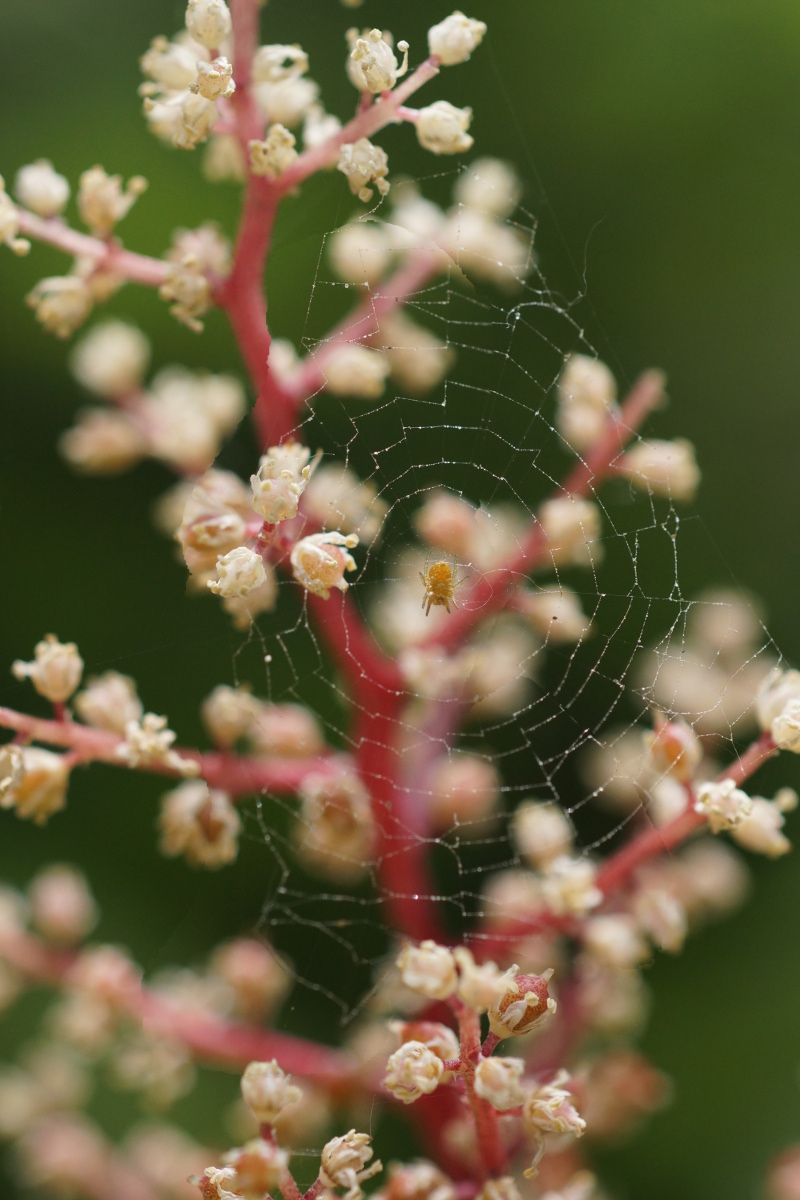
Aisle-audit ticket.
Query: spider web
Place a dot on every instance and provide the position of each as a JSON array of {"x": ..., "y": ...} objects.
[{"x": 563, "y": 722}]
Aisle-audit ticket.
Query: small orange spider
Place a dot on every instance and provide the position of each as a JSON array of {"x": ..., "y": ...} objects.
[{"x": 439, "y": 581}]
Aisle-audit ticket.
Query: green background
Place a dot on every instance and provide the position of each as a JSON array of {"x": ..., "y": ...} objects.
[{"x": 659, "y": 144}]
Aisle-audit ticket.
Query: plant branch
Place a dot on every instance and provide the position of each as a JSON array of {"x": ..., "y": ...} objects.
[
  {"x": 490, "y": 1143},
  {"x": 110, "y": 255},
  {"x": 236, "y": 774}
]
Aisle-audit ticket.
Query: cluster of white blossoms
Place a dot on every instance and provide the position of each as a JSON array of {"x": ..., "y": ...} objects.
[{"x": 181, "y": 417}]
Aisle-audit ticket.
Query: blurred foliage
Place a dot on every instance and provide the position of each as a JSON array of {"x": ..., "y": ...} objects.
[{"x": 660, "y": 147}]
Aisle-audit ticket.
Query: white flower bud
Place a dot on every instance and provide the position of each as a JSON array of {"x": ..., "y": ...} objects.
[
  {"x": 335, "y": 835},
  {"x": 675, "y": 749},
  {"x": 587, "y": 395},
  {"x": 41, "y": 791},
  {"x": 259, "y": 1167},
  {"x": 224, "y": 161},
  {"x": 41, "y": 189},
  {"x": 361, "y": 252},
  {"x": 572, "y": 527},
  {"x": 355, "y": 370},
  {"x": 778, "y": 708},
  {"x": 372, "y": 65},
  {"x": 428, "y": 969},
  {"x": 288, "y": 101},
  {"x": 289, "y": 730},
  {"x": 239, "y": 572},
  {"x": 413, "y": 1071},
  {"x": 62, "y": 907},
  {"x": 464, "y": 788},
  {"x": 187, "y": 289},
  {"x": 149, "y": 742},
  {"x": 724, "y": 805},
  {"x": 56, "y": 670},
  {"x": 662, "y": 916},
  {"x": 480, "y": 985},
  {"x": 442, "y": 128},
  {"x": 568, "y": 886},
  {"x": 111, "y": 359},
  {"x": 343, "y": 1163},
  {"x": 555, "y": 613},
  {"x": 541, "y": 832},
  {"x": 215, "y": 79},
  {"x": 266, "y": 1090},
  {"x": 271, "y": 64},
  {"x": 208, "y": 22},
  {"x": 258, "y": 978},
  {"x": 12, "y": 771},
  {"x": 418, "y": 360},
  {"x": 102, "y": 442},
  {"x": 280, "y": 481},
  {"x": 275, "y": 154},
  {"x": 490, "y": 250},
  {"x": 228, "y": 714},
  {"x": 9, "y": 223},
  {"x": 662, "y": 468},
  {"x": 614, "y": 939},
  {"x": 490, "y": 186},
  {"x": 172, "y": 65},
  {"x": 109, "y": 701},
  {"x": 549, "y": 1109},
  {"x": 498, "y": 1081},
  {"x": 197, "y": 118},
  {"x": 102, "y": 202},
  {"x": 319, "y": 127},
  {"x": 454, "y": 38},
  {"x": 363, "y": 163},
  {"x": 61, "y": 302},
  {"x": 199, "y": 823},
  {"x": 337, "y": 499},
  {"x": 320, "y": 561},
  {"x": 760, "y": 831},
  {"x": 243, "y": 611}
]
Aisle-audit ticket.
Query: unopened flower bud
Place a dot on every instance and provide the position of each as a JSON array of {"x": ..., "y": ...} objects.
[
  {"x": 201, "y": 824},
  {"x": 614, "y": 939},
  {"x": 320, "y": 561},
  {"x": 760, "y": 831},
  {"x": 662, "y": 468},
  {"x": 259, "y": 1167},
  {"x": 259, "y": 979},
  {"x": 549, "y": 1110},
  {"x": 442, "y": 128},
  {"x": 61, "y": 303},
  {"x": 239, "y": 572},
  {"x": 568, "y": 886},
  {"x": 524, "y": 1004},
  {"x": 266, "y": 1090},
  {"x": 454, "y": 38},
  {"x": 725, "y": 805},
  {"x": 498, "y": 1081},
  {"x": 62, "y": 907},
  {"x": 102, "y": 202},
  {"x": 208, "y": 22},
  {"x": 355, "y": 370},
  {"x": 56, "y": 670},
  {"x": 11, "y": 769},
  {"x": 480, "y": 985},
  {"x": 428, "y": 969},
  {"x": 675, "y": 748},
  {"x": 364, "y": 163},
  {"x": 541, "y": 832},
  {"x": 275, "y": 154},
  {"x": 372, "y": 65},
  {"x": 109, "y": 701},
  {"x": 228, "y": 714},
  {"x": 490, "y": 186},
  {"x": 41, "y": 791},
  {"x": 111, "y": 359},
  {"x": 412, "y": 1071},
  {"x": 41, "y": 189},
  {"x": 280, "y": 481},
  {"x": 149, "y": 741}
]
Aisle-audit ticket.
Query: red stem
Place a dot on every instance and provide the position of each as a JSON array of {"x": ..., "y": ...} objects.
[
  {"x": 490, "y": 1143},
  {"x": 111, "y": 256}
]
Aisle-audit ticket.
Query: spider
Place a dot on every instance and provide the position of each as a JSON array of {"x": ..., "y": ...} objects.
[{"x": 439, "y": 581}]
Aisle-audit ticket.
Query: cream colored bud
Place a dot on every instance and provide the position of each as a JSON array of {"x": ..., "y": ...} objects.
[
  {"x": 288, "y": 730},
  {"x": 208, "y": 22},
  {"x": 188, "y": 290},
  {"x": 355, "y": 370},
  {"x": 480, "y": 985},
  {"x": 662, "y": 468},
  {"x": 281, "y": 479},
  {"x": 490, "y": 186},
  {"x": 454, "y": 38},
  {"x": 568, "y": 886},
  {"x": 760, "y": 831},
  {"x": 102, "y": 201},
  {"x": 372, "y": 65},
  {"x": 259, "y": 979},
  {"x": 111, "y": 359},
  {"x": 502, "y": 1188},
  {"x": 215, "y": 79},
  {"x": 42, "y": 790},
  {"x": 336, "y": 831},
  {"x": 224, "y": 161},
  {"x": 723, "y": 804},
  {"x": 541, "y": 832},
  {"x": 239, "y": 572},
  {"x": 172, "y": 65},
  {"x": 364, "y": 163},
  {"x": 12, "y": 769},
  {"x": 201, "y": 824},
  {"x": 109, "y": 701},
  {"x": 271, "y": 64},
  {"x": 675, "y": 748},
  {"x": 662, "y": 916},
  {"x": 549, "y": 1109},
  {"x": 61, "y": 303},
  {"x": 259, "y": 1167},
  {"x": 572, "y": 527},
  {"x": 319, "y": 127},
  {"x": 288, "y": 101},
  {"x": 464, "y": 788},
  {"x": 320, "y": 561},
  {"x": 361, "y": 252},
  {"x": 525, "y": 1002},
  {"x": 198, "y": 116},
  {"x": 337, "y": 499},
  {"x": 41, "y": 189},
  {"x": 555, "y": 613},
  {"x": 490, "y": 250},
  {"x": 587, "y": 395},
  {"x": 228, "y": 714},
  {"x": 498, "y": 1081},
  {"x": 275, "y": 154},
  {"x": 343, "y": 1163},
  {"x": 56, "y": 670},
  {"x": 412, "y": 1071},
  {"x": 428, "y": 969},
  {"x": 9, "y": 223},
  {"x": 103, "y": 442},
  {"x": 267, "y": 1090},
  {"x": 417, "y": 358},
  {"x": 149, "y": 742},
  {"x": 442, "y": 128},
  {"x": 614, "y": 939},
  {"x": 61, "y": 904},
  {"x": 243, "y": 611}
]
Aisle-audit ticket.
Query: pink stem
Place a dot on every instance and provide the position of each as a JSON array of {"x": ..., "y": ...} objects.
[
  {"x": 493, "y": 589},
  {"x": 289, "y": 1189},
  {"x": 490, "y": 1143},
  {"x": 210, "y": 1037},
  {"x": 236, "y": 774},
  {"x": 366, "y": 123},
  {"x": 138, "y": 268}
]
